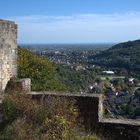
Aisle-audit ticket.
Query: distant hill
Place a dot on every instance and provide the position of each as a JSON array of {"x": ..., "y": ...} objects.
[{"x": 124, "y": 55}]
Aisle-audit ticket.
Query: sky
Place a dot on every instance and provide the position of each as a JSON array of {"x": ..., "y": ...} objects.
[{"x": 73, "y": 21}]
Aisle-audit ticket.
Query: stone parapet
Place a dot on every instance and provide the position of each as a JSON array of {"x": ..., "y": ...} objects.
[{"x": 91, "y": 111}]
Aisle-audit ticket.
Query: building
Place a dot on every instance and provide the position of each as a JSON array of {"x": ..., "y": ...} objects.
[{"x": 108, "y": 72}]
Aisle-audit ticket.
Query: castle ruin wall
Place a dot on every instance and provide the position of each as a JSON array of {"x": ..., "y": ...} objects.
[{"x": 8, "y": 52}]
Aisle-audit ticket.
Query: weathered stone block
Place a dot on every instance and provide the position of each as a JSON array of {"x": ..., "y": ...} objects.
[{"x": 19, "y": 85}]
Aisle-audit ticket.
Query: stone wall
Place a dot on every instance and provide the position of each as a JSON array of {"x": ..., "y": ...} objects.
[
  {"x": 8, "y": 52},
  {"x": 87, "y": 106},
  {"x": 18, "y": 85},
  {"x": 92, "y": 113}
]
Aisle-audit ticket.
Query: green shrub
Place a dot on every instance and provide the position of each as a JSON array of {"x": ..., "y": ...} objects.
[
  {"x": 23, "y": 117},
  {"x": 87, "y": 137},
  {"x": 41, "y": 72},
  {"x": 18, "y": 130}
]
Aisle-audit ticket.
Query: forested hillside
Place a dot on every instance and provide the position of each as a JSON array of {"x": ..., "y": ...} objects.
[
  {"x": 41, "y": 71},
  {"x": 75, "y": 80},
  {"x": 124, "y": 55},
  {"x": 47, "y": 76}
]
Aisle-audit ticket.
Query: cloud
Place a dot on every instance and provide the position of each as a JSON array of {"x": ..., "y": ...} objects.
[{"x": 114, "y": 27}]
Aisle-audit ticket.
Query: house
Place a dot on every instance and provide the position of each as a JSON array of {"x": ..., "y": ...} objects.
[
  {"x": 108, "y": 72},
  {"x": 131, "y": 80}
]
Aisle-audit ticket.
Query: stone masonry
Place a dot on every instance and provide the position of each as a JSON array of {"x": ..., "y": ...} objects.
[
  {"x": 8, "y": 52},
  {"x": 91, "y": 112}
]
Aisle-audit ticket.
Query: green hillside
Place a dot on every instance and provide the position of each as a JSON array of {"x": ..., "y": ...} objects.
[
  {"x": 124, "y": 55},
  {"x": 41, "y": 71},
  {"x": 75, "y": 80},
  {"x": 48, "y": 76}
]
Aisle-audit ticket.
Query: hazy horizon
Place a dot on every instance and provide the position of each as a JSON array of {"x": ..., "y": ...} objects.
[
  {"x": 53, "y": 21},
  {"x": 68, "y": 43}
]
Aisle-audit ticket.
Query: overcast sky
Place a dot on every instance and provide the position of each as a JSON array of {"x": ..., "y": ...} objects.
[{"x": 73, "y": 21}]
